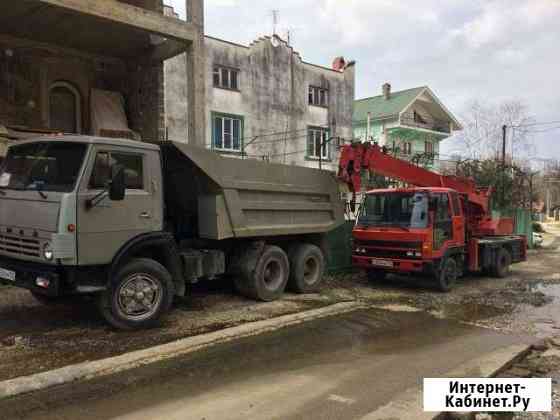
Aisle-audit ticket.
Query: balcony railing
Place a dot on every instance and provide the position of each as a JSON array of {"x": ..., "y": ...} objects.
[{"x": 412, "y": 120}]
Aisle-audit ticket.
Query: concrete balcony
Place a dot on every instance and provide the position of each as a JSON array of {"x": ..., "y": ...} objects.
[
  {"x": 105, "y": 27},
  {"x": 414, "y": 121}
]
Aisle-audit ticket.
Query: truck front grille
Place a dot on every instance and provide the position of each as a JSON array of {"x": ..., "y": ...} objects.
[
  {"x": 20, "y": 246},
  {"x": 390, "y": 250}
]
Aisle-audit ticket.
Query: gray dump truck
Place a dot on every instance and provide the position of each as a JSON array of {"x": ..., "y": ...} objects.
[{"x": 135, "y": 224}]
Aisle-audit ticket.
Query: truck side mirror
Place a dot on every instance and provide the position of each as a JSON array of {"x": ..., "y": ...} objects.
[{"x": 117, "y": 187}]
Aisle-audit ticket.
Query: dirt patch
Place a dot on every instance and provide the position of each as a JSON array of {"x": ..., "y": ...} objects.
[{"x": 35, "y": 338}]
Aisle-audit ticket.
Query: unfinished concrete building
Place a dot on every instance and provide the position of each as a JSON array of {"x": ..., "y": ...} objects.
[
  {"x": 94, "y": 67},
  {"x": 263, "y": 101}
]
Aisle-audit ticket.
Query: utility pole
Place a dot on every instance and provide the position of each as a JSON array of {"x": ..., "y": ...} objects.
[
  {"x": 368, "y": 130},
  {"x": 504, "y": 146},
  {"x": 531, "y": 190}
]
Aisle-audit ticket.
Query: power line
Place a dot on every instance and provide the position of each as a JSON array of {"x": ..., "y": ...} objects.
[
  {"x": 535, "y": 124},
  {"x": 543, "y": 130}
]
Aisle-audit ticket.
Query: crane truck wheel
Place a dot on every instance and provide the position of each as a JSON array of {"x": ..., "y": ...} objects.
[
  {"x": 268, "y": 280},
  {"x": 447, "y": 275},
  {"x": 139, "y": 295},
  {"x": 307, "y": 268},
  {"x": 501, "y": 266}
]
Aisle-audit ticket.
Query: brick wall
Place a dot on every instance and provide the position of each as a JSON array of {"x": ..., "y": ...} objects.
[{"x": 146, "y": 102}]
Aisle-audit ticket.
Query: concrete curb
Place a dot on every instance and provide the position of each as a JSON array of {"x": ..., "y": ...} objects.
[{"x": 90, "y": 370}]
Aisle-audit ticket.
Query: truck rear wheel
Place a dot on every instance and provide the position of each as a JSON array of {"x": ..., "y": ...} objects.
[
  {"x": 139, "y": 295},
  {"x": 269, "y": 278},
  {"x": 501, "y": 266},
  {"x": 307, "y": 268},
  {"x": 446, "y": 276}
]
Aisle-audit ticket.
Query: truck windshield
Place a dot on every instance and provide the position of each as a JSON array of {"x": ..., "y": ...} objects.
[
  {"x": 406, "y": 210},
  {"x": 42, "y": 166}
]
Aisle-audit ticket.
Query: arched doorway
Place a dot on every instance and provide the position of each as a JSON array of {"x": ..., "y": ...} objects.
[{"x": 65, "y": 108}]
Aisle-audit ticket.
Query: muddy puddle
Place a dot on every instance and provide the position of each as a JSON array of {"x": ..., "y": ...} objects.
[
  {"x": 546, "y": 318},
  {"x": 473, "y": 311}
]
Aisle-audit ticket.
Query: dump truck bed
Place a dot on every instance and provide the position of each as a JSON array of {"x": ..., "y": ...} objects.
[{"x": 244, "y": 198}]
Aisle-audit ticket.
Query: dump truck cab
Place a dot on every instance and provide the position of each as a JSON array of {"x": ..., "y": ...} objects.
[
  {"x": 136, "y": 223},
  {"x": 59, "y": 224}
]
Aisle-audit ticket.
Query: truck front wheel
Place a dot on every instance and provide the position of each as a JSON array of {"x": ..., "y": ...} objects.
[
  {"x": 139, "y": 295},
  {"x": 446, "y": 276},
  {"x": 267, "y": 281},
  {"x": 307, "y": 267}
]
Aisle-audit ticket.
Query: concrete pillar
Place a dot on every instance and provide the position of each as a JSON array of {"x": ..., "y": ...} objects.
[{"x": 196, "y": 75}]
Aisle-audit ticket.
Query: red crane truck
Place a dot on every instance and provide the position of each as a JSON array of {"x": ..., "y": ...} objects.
[{"x": 441, "y": 227}]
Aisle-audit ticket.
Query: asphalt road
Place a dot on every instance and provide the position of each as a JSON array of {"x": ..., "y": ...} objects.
[{"x": 343, "y": 367}]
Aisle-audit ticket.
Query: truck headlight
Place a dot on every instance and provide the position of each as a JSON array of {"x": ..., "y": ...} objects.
[{"x": 48, "y": 251}]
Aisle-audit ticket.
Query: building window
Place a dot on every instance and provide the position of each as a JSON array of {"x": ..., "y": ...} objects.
[
  {"x": 226, "y": 78},
  {"x": 407, "y": 148},
  {"x": 227, "y": 133},
  {"x": 65, "y": 108},
  {"x": 317, "y": 144},
  {"x": 429, "y": 147},
  {"x": 318, "y": 96}
]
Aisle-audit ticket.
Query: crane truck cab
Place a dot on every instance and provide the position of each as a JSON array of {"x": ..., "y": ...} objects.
[
  {"x": 135, "y": 224},
  {"x": 424, "y": 231}
]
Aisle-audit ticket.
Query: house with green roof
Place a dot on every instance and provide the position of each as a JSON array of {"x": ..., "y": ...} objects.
[{"x": 410, "y": 123}]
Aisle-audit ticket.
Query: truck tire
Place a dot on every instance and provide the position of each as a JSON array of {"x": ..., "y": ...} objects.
[
  {"x": 307, "y": 268},
  {"x": 376, "y": 276},
  {"x": 269, "y": 278},
  {"x": 501, "y": 266},
  {"x": 139, "y": 295},
  {"x": 446, "y": 276}
]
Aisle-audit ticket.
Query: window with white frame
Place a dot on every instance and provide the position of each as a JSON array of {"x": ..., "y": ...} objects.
[
  {"x": 227, "y": 133},
  {"x": 318, "y": 96},
  {"x": 317, "y": 143},
  {"x": 226, "y": 78}
]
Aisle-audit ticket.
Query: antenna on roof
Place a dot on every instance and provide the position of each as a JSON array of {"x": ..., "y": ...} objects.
[{"x": 275, "y": 18}]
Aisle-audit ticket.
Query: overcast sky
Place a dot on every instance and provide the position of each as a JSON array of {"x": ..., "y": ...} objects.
[{"x": 490, "y": 50}]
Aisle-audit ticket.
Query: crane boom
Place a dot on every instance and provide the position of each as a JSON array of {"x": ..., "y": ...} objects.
[{"x": 358, "y": 157}]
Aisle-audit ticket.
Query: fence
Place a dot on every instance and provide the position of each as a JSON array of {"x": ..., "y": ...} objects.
[
  {"x": 340, "y": 247},
  {"x": 523, "y": 223}
]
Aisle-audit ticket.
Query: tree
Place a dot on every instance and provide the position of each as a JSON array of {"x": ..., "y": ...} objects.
[
  {"x": 482, "y": 135},
  {"x": 512, "y": 186}
]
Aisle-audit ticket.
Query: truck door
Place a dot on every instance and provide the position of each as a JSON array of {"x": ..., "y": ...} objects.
[
  {"x": 458, "y": 219},
  {"x": 443, "y": 222},
  {"x": 103, "y": 229}
]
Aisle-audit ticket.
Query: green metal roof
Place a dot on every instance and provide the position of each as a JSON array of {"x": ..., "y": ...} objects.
[{"x": 383, "y": 108}]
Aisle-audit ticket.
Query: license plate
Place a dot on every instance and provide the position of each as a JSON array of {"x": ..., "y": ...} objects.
[
  {"x": 7, "y": 274},
  {"x": 382, "y": 263}
]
